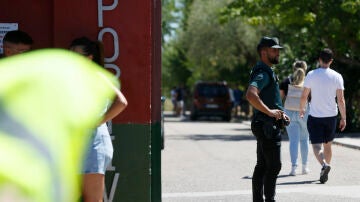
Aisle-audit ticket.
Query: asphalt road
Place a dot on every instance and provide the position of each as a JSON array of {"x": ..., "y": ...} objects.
[{"x": 213, "y": 161}]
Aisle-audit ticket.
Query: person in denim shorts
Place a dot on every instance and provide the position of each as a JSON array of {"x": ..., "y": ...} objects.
[
  {"x": 325, "y": 85},
  {"x": 100, "y": 150}
]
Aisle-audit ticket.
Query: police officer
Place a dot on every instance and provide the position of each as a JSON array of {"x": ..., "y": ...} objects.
[{"x": 264, "y": 95}]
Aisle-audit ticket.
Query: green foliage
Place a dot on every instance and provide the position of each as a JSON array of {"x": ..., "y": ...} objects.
[
  {"x": 174, "y": 60},
  {"x": 351, "y": 6},
  {"x": 205, "y": 49},
  {"x": 170, "y": 17},
  {"x": 186, "y": 10},
  {"x": 329, "y": 23},
  {"x": 174, "y": 66},
  {"x": 218, "y": 51}
]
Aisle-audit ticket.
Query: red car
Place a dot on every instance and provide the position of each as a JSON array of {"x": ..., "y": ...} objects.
[{"x": 211, "y": 99}]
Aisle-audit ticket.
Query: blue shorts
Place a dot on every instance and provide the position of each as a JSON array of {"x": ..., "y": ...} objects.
[
  {"x": 100, "y": 152},
  {"x": 321, "y": 130}
]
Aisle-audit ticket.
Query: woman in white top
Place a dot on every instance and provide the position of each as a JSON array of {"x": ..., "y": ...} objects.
[{"x": 290, "y": 90}]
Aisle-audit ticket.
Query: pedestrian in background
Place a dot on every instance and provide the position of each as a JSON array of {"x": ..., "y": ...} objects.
[
  {"x": 179, "y": 100},
  {"x": 173, "y": 98},
  {"x": 290, "y": 91},
  {"x": 238, "y": 94},
  {"x": 100, "y": 152},
  {"x": 326, "y": 87},
  {"x": 15, "y": 42},
  {"x": 264, "y": 95}
]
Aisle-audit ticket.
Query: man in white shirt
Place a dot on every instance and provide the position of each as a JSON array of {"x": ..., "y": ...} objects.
[{"x": 325, "y": 85}]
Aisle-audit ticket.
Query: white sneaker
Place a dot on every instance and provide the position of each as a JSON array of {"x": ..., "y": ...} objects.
[
  {"x": 293, "y": 171},
  {"x": 305, "y": 170}
]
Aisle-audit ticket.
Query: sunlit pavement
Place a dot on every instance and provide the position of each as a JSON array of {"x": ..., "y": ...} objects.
[{"x": 212, "y": 160}]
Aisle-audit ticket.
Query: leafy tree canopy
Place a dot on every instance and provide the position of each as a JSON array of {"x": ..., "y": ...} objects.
[
  {"x": 217, "y": 51},
  {"x": 307, "y": 24}
]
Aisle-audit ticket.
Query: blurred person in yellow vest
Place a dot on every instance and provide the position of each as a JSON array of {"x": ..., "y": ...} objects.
[{"x": 50, "y": 101}]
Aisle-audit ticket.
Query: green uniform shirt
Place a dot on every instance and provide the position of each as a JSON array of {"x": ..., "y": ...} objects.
[{"x": 264, "y": 79}]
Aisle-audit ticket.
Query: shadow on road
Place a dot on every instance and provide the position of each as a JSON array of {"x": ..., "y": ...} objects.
[
  {"x": 169, "y": 117},
  {"x": 199, "y": 137},
  {"x": 289, "y": 183},
  {"x": 300, "y": 182}
]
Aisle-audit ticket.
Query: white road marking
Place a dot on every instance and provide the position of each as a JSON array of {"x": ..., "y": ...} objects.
[{"x": 346, "y": 191}]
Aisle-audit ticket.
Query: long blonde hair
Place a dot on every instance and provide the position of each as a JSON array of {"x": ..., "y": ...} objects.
[{"x": 298, "y": 77}]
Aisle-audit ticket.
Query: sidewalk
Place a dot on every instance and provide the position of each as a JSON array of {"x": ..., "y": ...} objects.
[{"x": 351, "y": 140}]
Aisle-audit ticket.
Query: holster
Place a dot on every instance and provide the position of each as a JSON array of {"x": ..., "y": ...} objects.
[{"x": 270, "y": 127}]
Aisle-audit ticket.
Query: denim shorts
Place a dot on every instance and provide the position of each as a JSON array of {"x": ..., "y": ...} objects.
[
  {"x": 321, "y": 130},
  {"x": 100, "y": 152}
]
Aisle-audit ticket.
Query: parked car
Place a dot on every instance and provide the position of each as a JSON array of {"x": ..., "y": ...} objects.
[{"x": 211, "y": 99}]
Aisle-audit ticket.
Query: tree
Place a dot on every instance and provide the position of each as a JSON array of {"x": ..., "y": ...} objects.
[
  {"x": 169, "y": 18},
  {"x": 175, "y": 71},
  {"x": 174, "y": 60},
  {"x": 217, "y": 51}
]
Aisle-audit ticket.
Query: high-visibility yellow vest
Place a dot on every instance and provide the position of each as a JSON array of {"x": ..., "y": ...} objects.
[{"x": 50, "y": 100}]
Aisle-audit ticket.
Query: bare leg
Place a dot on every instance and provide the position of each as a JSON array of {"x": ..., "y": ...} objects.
[
  {"x": 319, "y": 154},
  {"x": 93, "y": 187},
  {"x": 327, "y": 152}
]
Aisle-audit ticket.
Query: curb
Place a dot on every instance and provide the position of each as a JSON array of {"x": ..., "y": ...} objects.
[{"x": 352, "y": 146}]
